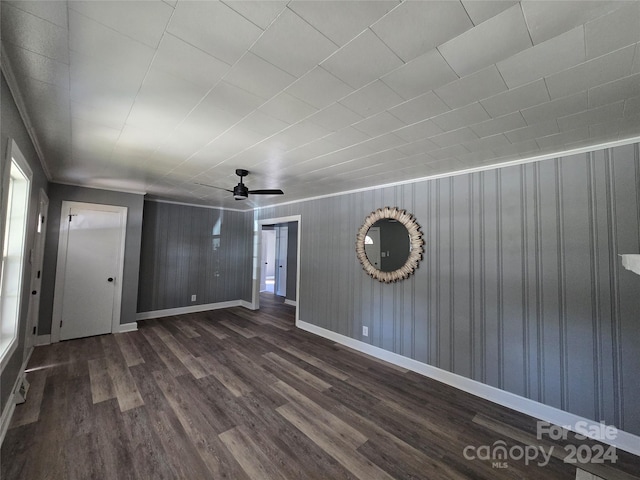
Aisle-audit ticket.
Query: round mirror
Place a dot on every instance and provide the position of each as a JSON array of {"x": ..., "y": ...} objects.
[{"x": 389, "y": 244}]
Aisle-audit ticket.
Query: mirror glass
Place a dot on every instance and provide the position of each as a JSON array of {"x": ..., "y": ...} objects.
[{"x": 387, "y": 245}]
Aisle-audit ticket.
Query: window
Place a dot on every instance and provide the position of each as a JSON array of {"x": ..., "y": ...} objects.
[{"x": 15, "y": 205}]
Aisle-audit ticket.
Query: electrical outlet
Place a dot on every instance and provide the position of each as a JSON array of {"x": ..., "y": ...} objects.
[
  {"x": 365, "y": 331},
  {"x": 193, "y": 298}
]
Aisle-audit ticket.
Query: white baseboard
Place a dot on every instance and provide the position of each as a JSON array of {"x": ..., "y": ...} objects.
[
  {"x": 247, "y": 305},
  {"x": 127, "y": 327},
  {"x": 7, "y": 414},
  {"x": 43, "y": 340},
  {"x": 190, "y": 309},
  {"x": 293, "y": 303},
  {"x": 623, "y": 440}
]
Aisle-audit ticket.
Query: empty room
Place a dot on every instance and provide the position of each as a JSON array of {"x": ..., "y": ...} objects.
[{"x": 317, "y": 239}]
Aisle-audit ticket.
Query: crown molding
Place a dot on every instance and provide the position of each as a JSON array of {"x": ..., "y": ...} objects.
[{"x": 7, "y": 70}]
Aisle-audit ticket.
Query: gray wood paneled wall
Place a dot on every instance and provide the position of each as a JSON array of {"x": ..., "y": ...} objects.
[
  {"x": 12, "y": 128},
  {"x": 190, "y": 250},
  {"x": 521, "y": 286}
]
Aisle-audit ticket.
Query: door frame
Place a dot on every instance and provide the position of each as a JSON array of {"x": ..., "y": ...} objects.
[
  {"x": 257, "y": 258},
  {"x": 278, "y": 286},
  {"x": 37, "y": 261},
  {"x": 63, "y": 239}
]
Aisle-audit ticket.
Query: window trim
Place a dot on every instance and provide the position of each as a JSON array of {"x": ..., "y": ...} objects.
[{"x": 14, "y": 155}]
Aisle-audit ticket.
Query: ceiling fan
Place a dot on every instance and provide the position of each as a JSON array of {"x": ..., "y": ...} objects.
[{"x": 241, "y": 192}]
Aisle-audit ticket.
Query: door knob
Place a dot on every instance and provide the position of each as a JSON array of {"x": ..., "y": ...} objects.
[
  {"x": 33, "y": 292},
  {"x": 110, "y": 279}
]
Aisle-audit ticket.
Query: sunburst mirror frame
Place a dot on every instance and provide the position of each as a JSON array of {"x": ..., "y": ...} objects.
[{"x": 415, "y": 238}]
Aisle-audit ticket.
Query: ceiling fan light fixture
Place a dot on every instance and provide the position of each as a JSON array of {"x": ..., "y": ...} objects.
[{"x": 240, "y": 192}]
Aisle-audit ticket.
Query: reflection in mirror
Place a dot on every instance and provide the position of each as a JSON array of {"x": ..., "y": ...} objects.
[{"x": 387, "y": 245}]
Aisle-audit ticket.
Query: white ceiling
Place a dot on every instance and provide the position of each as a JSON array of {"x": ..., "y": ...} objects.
[{"x": 314, "y": 97}]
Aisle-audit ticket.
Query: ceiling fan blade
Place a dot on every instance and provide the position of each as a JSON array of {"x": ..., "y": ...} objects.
[
  {"x": 213, "y": 186},
  {"x": 266, "y": 192}
]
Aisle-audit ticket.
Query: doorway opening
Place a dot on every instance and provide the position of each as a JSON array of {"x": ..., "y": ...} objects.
[
  {"x": 277, "y": 255},
  {"x": 276, "y": 262}
]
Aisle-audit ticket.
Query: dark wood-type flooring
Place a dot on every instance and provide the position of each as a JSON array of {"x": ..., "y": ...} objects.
[{"x": 235, "y": 394}]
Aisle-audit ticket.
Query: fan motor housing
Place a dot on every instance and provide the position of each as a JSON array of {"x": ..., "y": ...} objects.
[{"x": 240, "y": 192}]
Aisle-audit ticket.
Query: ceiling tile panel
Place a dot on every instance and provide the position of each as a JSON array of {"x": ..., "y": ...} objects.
[
  {"x": 590, "y": 117},
  {"x": 232, "y": 99},
  {"x": 423, "y": 129},
  {"x": 481, "y": 10},
  {"x": 262, "y": 123},
  {"x": 378, "y": 124},
  {"x": 214, "y": 28},
  {"x": 496, "y": 39},
  {"x": 482, "y": 84},
  {"x": 382, "y": 142},
  {"x": 33, "y": 33},
  {"x": 449, "y": 152},
  {"x": 594, "y": 72},
  {"x": 487, "y": 143},
  {"x": 501, "y": 124},
  {"x": 605, "y": 130},
  {"x": 417, "y": 147},
  {"x": 287, "y": 108},
  {"x": 613, "y": 31},
  {"x": 534, "y": 93},
  {"x": 346, "y": 137},
  {"x": 300, "y": 134},
  {"x": 555, "y": 108},
  {"x": 311, "y": 150},
  {"x": 362, "y": 60},
  {"x": 335, "y": 117},
  {"x": 414, "y": 28},
  {"x": 453, "y": 138},
  {"x": 177, "y": 57},
  {"x": 258, "y": 76},
  {"x": 341, "y": 21},
  {"x": 560, "y": 140},
  {"x": 96, "y": 43},
  {"x": 461, "y": 117},
  {"x": 632, "y": 107},
  {"x": 319, "y": 88},
  {"x": 420, "y": 108},
  {"x": 371, "y": 99},
  {"x": 550, "y": 19},
  {"x": 613, "y": 91},
  {"x": 141, "y": 20},
  {"x": 420, "y": 75},
  {"x": 258, "y": 11},
  {"x": 153, "y": 108},
  {"x": 533, "y": 131},
  {"x": 54, "y": 12},
  {"x": 44, "y": 69},
  {"x": 552, "y": 56},
  {"x": 517, "y": 149},
  {"x": 293, "y": 45}
]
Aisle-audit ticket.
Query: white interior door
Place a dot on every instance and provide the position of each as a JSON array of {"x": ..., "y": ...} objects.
[
  {"x": 37, "y": 257},
  {"x": 90, "y": 267},
  {"x": 282, "y": 234}
]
